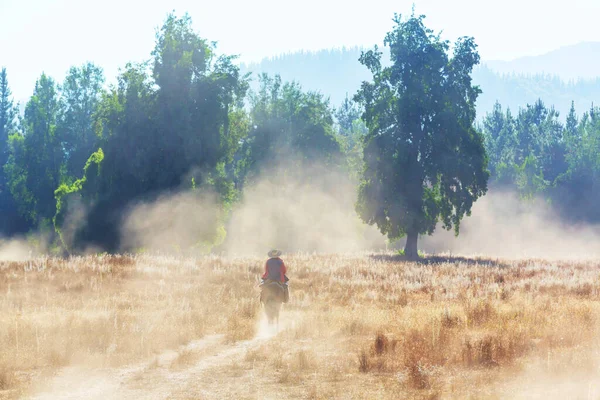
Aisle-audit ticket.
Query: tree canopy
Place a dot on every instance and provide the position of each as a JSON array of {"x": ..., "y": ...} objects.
[
  {"x": 424, "y": 159},
  {"x": 10, "y": 220},
  {"x": 181, "y": 110},
  {"x": 290, "y": 130},
  {"x": 538, "y": 156},
  {"x": 186, "y": 123}
]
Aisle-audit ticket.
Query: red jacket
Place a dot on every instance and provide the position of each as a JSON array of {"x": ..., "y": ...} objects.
[{"x": 275, "y": 269}]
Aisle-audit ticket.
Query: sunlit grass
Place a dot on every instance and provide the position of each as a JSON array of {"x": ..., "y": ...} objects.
[{"x": 362, "y": 325}]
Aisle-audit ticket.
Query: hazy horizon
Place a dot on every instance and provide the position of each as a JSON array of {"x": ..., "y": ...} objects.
[{"x": 39, "y": 36}]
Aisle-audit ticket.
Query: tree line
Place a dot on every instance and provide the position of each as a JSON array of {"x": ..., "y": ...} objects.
[
  {"x": 537, "y": 155},
  {"x": 182, "y": 120},
  {"x": 187, "y": 120},
  {"x": 340, "y": 74}
]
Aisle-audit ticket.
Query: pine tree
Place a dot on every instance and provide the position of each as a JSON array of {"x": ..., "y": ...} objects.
[{"x": 8, "y": 113}]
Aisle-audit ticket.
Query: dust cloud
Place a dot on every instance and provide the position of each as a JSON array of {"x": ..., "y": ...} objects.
[
  {"x": 15, "y": 250},
  {"x": 27, "y": 247},
  {"x": 185, "y": 222},
  {"x": 278, "y": 209},
  {"x": 75, "y": 217},
  {"x": 502, "y": 225},
  {"x": 300, "y": 215}
]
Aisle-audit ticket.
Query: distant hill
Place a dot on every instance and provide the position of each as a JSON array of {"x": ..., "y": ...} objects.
[
  {"x": 579, "y": 61},
  {"x": 517, "y": 90},
  {"x": 337, "y": 72},
  {"x": 333, "y": 72}
]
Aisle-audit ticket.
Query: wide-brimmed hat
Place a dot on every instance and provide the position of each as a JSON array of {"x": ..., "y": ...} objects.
[{"x": 274, "y": 253}]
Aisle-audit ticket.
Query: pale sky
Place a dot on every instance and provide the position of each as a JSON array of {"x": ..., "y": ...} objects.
[{"x": 52, "y": 35}]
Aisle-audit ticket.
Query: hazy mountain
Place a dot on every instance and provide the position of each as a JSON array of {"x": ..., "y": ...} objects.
[
  {"x": 580, "y": 61},
  {"x": 333, "y": 72},
  {"x": 337, "y": 72},
  {"x": 517, "y": 90}
]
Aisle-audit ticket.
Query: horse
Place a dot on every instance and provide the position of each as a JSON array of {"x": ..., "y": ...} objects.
[{"x": 272, "y": 296}]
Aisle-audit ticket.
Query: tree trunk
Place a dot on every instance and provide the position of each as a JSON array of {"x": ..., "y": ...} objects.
[{"x": 410, "y": 249}]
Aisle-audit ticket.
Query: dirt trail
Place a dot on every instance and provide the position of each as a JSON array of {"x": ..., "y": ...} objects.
[{"x": 159, "y": 378}]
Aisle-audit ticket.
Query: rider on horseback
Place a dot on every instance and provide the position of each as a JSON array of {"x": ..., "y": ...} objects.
[{"x": 275, "y": 271}]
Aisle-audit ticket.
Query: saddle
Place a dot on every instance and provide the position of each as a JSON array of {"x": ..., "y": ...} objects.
[
  {"x": 272, "y": 284},
  {"x": 269, "y": 282}
]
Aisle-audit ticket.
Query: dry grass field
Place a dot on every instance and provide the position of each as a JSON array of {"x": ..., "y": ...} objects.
[{"x": 364, "y": 326}]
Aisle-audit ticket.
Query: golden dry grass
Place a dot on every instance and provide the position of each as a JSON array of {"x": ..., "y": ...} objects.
[{"x": 357, "y": 326}]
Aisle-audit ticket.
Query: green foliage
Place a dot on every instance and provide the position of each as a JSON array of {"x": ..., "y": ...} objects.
[
  {"x": 10, "y": 222},
  {"x": 80, "y": 97},
  {"x": 83, "y": 189},
  {"x": 36, "y": 157},
  {"x": 528, "y": 152},
  {"x": 402, "y": 253},
  {"x": 500, "y": 140},
  {"x": 538, "y": 156},
  {"x": 127, "y": 119},
  {"x": 291, "y": 130},
  {"x": 8, "y": 113},
  {"x": 424, "y": 160},
  {"x": 16, "y": 175},
  {"x": 335, "y": 72},
  {"x": 577, "y": 190},
  {"x": 346, "y": 116},
  {"x": 351, "y": 133},
  {"x": 529, "y": 178},
  {"x": 177, "y": 120}
]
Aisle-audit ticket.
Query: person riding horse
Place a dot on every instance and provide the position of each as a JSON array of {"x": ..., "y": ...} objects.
[{"x": 275, "y": 271}]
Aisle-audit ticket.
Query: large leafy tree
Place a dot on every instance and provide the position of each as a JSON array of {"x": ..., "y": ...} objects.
[
  {"x": 170, "y": 124},
  {"x": 424, "y": 159}
]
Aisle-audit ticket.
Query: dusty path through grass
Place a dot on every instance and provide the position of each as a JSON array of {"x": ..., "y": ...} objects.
[
  {"x": 358, "y": 326},
  {"x": 115, "y": 383},
  {"x": 172, "y": 374}
]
